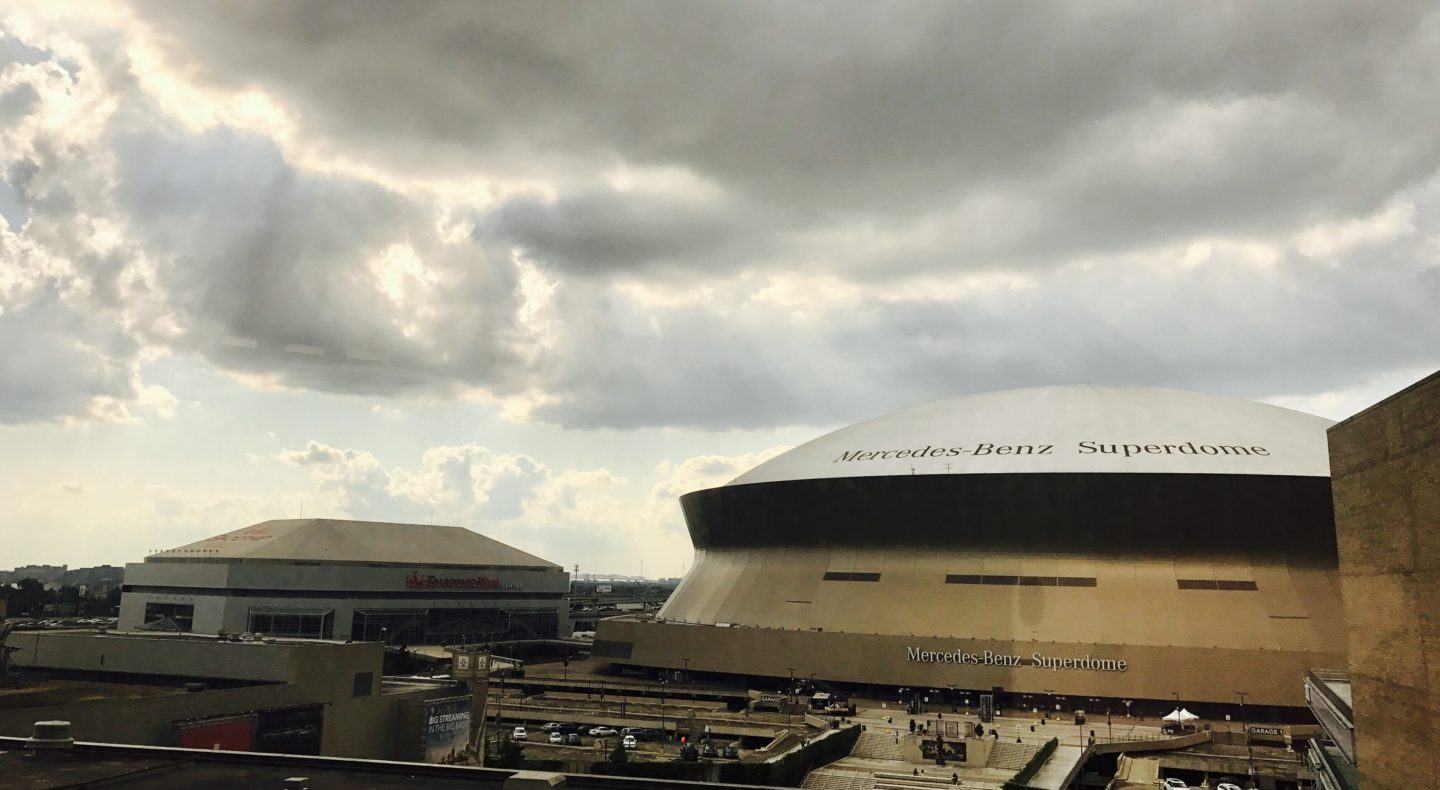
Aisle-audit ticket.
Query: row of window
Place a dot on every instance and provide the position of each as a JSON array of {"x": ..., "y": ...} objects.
[
  {"x": 1046, "y": 581},
  {"x": 413, "y": 626}
]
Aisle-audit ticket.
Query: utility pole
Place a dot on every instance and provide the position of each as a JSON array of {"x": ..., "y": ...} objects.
[
  {"x": 1249, "y": 750},
  {"x": 790, "y": 698}
]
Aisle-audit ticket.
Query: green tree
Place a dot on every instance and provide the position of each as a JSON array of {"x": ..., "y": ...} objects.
[{"x": 619, "y": 753}]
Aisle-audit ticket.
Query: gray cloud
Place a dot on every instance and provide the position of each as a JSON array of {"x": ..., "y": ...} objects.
[
  {"x": 668, "y": 168},
  {"x": 1252, "y": 115}
]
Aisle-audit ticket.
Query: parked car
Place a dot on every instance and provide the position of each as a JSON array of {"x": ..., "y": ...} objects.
[
  {"x": 629, "y": 742},
  {"x": 556, "y": 737},
  {"x": 1175, "y": 784},
  {"x": 519, "y": 733},
  {"x": 552, "y": 726},
  {"x": 1227, "y": 786},
  {"x": 572, "y": 739},
  {"x": 709, "y": 750},
  {"x": 732, "y": 751},
  {"x": 603, "y": 731}
]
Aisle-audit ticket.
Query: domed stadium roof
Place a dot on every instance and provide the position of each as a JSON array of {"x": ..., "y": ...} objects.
[
  {"x": 337, "y": 540},
  {"x": 1070, "y": 429}
]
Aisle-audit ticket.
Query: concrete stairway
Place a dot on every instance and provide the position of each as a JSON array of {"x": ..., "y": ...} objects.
[
  {"x": 877, "y": 746},
  {"x": 1010, "y": 756},
  {"x": 838, "y": 779}
]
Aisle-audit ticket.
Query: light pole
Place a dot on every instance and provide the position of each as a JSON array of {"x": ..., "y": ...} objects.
[
  {"x": 790, "y": 698},
  {"x": 1249, "y": 750},
  {"x": 687, "y": 670}
]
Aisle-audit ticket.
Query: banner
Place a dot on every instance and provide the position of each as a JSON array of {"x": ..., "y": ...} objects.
[{"x": 446, "y": 732}]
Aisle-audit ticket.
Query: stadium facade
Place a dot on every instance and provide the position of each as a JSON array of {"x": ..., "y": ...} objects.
[
  {"x": 1099, "y": 543},
  {"x": 361, "y": 580}
]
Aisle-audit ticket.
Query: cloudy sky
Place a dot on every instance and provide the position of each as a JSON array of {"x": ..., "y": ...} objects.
[{"x": 539, "y": 268}]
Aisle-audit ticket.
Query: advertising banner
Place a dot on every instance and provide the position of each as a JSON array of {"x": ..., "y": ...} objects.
[{"x": 446, "y": 729}]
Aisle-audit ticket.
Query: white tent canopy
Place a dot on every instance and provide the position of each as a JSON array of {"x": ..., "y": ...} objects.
[{"x": 1180, "y": 715}]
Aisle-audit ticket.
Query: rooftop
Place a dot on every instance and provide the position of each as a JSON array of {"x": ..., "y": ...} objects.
[
  {"x": 1070, "y": 429},
  {"x": 335, "y": 540}
]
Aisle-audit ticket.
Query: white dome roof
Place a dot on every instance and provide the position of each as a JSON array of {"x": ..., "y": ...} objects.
[{"x": 1066, "y": 430}]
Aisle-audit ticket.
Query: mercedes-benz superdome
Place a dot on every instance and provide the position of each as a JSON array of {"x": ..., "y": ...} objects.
[{"x": 1097, "y": 542}]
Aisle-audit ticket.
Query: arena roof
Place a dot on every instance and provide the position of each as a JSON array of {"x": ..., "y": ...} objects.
[
  {"x": 323, "y": 539},
  {"x": 1069, "y": 429}
]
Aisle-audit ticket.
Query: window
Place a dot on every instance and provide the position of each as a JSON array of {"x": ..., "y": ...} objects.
[
  {"x": 364, "y": 684},
  {"x": 169, "y": 616},
  {"x": 840, "y": 576},
  {"x": 1213, "y": 584},
  {"x": 306, "y": 623}
]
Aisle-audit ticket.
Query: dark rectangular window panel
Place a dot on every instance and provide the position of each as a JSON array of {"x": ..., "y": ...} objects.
[
  {"x": 1024, "y": 581},
  {"x": 364, "y": 684},
  {"x": 1212, "y": 584},
  {"x": 841, "y": 576},
  {"x": 607, "y": 648}
]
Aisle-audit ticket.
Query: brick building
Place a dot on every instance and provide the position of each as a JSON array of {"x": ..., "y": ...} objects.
[{"x": 1385, "y": 464}]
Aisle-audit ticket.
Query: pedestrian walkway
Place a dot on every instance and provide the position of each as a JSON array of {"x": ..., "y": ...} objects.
[{"x": 1057, "y": 769}]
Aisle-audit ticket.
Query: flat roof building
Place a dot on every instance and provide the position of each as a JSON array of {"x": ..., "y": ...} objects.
[
  {"x": 1085, "y": 542},
  {"x": 361, "y": 580}
]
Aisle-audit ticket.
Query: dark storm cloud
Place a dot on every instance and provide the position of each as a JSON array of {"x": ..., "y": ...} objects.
[{"x": 825, "y": 111}]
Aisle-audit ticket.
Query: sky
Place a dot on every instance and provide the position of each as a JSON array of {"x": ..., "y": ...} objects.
[{"x": 537, "y": 269}]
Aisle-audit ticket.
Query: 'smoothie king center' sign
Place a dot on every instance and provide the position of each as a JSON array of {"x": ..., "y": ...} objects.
[{"x": 994, "y": 659}]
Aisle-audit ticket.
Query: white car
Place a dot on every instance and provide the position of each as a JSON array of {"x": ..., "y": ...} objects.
[
  {"x": 1175, "y": 784},
  {"x": 519, "y": 734},
  {"x": 1227, "y": 786},
  {"x": 628, "y": 742},
  {"x": 602, "y": 731},
  {"x": 557, "y": 737}
]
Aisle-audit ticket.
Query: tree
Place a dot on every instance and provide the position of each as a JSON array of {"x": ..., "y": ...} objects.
[
  {"x": 619, "y": 754},
  {"x": 28, "y": 599}
]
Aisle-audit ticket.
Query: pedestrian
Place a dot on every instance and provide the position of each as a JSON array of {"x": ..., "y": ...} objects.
[{"x": 954, "y": 779}]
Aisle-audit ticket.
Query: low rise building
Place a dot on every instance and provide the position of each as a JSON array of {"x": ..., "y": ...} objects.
[{"x": 406, "y": 584}]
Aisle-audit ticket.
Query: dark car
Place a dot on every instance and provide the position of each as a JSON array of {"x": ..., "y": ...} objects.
[{"x": 572, "y": 738}]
